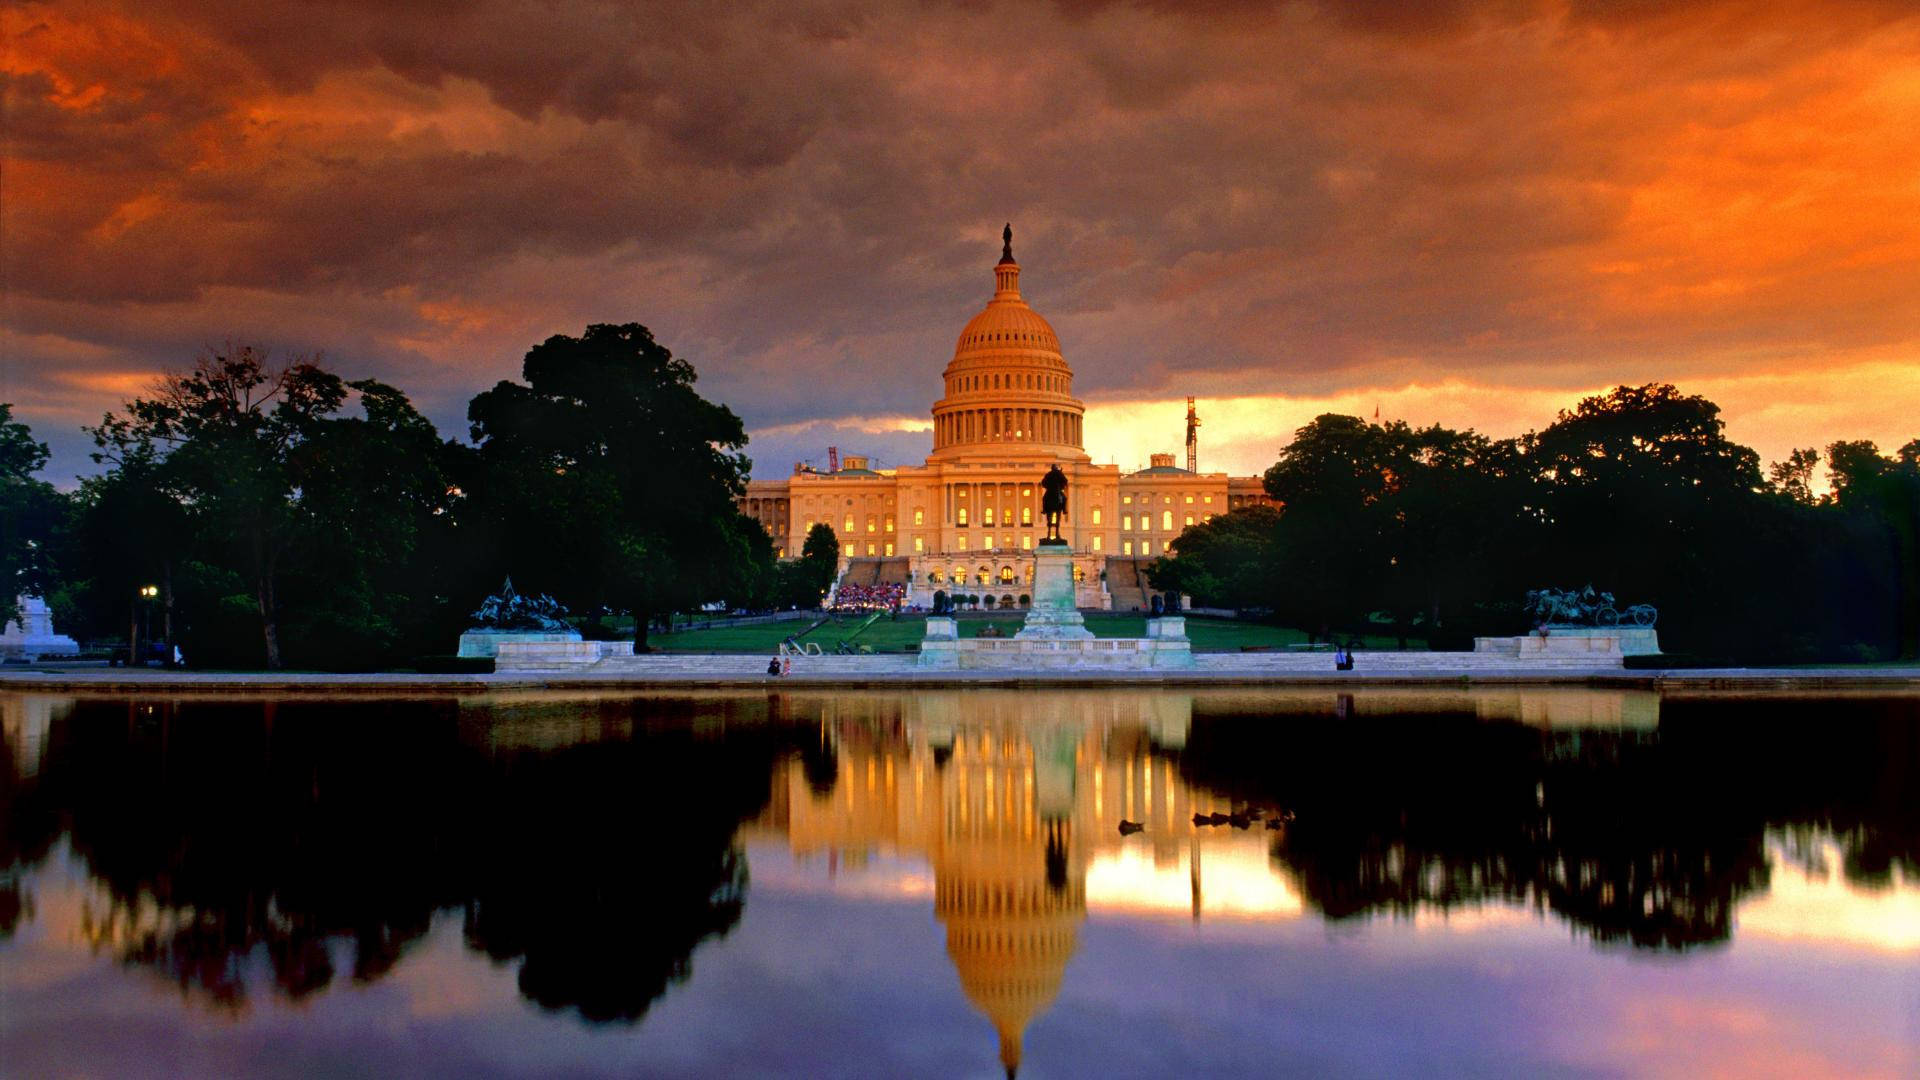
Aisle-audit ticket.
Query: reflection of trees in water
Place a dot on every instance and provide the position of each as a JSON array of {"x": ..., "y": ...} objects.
[
  {"x": 227, "y": 835},
  {"x": 624, "y": 862},
  {"x": 1648, "y": 836}
]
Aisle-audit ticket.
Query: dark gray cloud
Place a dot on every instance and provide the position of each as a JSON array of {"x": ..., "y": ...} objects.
[{"x": 804, "y": 198}]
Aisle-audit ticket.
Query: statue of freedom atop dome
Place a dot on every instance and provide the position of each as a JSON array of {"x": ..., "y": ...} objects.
[{"x": 1053, "y": 503}]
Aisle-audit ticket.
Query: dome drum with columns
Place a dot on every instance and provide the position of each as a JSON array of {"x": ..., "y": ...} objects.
[{"x": 968, "y": 518}]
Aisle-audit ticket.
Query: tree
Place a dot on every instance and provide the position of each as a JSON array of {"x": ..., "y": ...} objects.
[
  {"x": 28, "y": 509},
  {"x": 1882, "y": 495},
  {"x": 1793, "y": 478},
  {"x": 374, "y": 544},
  {"x": 820, "y": 558},
  {"x": 607, "y": 479},
  {"x": 1330, "y": 546},
  {"x": 1226, "y": 562},
  {"x": 229, "y": 429},
  {"x": 1641, "y": 493}
]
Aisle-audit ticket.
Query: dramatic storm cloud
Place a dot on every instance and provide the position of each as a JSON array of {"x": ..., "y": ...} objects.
[{"x": 1466, "y": 213}]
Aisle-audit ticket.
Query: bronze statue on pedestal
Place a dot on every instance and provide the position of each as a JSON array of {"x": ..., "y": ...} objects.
[{"x": 1053, "y": 503}]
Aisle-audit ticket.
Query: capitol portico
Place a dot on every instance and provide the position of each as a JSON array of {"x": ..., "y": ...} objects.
[{"x": 969, "y": 517}]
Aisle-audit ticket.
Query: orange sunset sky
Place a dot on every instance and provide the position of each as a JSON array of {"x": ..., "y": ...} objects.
[{"x": 1469, "y": 213}]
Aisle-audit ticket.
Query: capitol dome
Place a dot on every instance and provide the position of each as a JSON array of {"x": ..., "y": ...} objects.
[{"x": 1008, "y": 389}]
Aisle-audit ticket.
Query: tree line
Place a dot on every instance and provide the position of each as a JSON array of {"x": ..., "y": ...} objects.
[
  {"x": 1439, "y": 533},
  {"x": 263, "y": 513},
  {"x": 268, "y": 513}
]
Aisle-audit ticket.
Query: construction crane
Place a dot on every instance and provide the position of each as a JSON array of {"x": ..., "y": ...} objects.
[
  {"x": 1193, "y": 439},
  {"x": 833, "y": 459}
]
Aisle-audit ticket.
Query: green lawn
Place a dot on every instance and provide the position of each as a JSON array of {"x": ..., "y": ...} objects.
[{"x": 891, "y": 635}]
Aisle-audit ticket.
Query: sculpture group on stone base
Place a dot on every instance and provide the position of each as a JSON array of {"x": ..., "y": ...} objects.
[
  {"x": 1584, "y": 607},
  {"x": 510, "y": 610}
]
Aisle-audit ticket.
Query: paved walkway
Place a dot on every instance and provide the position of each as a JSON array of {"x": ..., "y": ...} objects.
[{"x": 688, "y": 671}]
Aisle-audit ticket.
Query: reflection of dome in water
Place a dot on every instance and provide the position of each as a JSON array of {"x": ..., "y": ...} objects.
[{"x": 1010, "y": 935}]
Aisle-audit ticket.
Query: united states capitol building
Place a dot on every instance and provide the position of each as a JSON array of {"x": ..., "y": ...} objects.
[{"x": 969, "y": 517}]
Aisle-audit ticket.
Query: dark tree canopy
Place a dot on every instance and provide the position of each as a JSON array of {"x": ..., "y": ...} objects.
[
  {"x": 29, "y": 508},
  {"x": 1638, "y": 491},
  {"x": 609, "y": 481}
]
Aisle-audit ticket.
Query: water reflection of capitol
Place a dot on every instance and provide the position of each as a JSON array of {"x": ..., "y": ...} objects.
[{"x": 1009, "y": 804}]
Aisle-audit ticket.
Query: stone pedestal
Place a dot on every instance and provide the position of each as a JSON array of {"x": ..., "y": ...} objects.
[
  {"x": 484, "y": 643},
  {"x": 31, "y": 636},
  {"x": 1575, "y": 641},
  {"x": 1054, "y": 615}
]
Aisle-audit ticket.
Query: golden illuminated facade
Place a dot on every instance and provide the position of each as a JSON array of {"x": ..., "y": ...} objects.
[{"x": 969, "y": 517}]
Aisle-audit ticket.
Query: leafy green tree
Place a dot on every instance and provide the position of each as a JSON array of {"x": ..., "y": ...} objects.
[
  {"x": 1641, "y": 493},
  {"x": 1226, "y": 562},
  {"x": 1882, "y": 495},
  {"x": 1330, "y": 548},
  {"x": 229, "y": 429},
  {"x": 819, "y": 559},
  {"x": 607, "y": 479},
  {"x": 372, "y": 535},
  {"x": 29, "y": 508},
  {"x": 1793, "y": 478},
  {"x": 124, "y": 530},
  {"x": 241, "y": 483}
]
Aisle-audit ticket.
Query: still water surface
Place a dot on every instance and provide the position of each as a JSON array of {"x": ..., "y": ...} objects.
[{"x": 1503, "y": 883}]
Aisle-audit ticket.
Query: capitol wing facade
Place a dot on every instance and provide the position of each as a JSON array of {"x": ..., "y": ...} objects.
[{"x": 968, "y": 518}]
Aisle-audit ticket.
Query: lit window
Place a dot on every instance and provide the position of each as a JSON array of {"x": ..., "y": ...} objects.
[
  {"x": 1206, "y": 498},
  {"x": 1127, "y": 500},
  {"x": 1189, "y": 519},
  {"x": 1126, "y": 547},
  {"x": 889, "y": 549},
  {"x": 1026, "y": 542},
  {"x": 1166, "y": 521},
  {"x": 1166, "y": 498},
  {"x": 1096, "y": 515},
  {"x": 963, "y": 515},
  {"x": 889, "y": 523},
  {"x": 919, "y": 545},
  {"x": 1126, "y": 522},
  {"x": 960, "y": 542},
  {"x": 1146, "y": 547},
  {"x": 986, "y": 516},
  {"x": 1026, "y": 493},
  {"x": 919, "y": 517},
  {"x": 869, "y": 547},
  {"x": 987, "y": 541},
  {"x": 1096, "y": 541},
  {"x": 869, "y": 522},
  {"x": 1209, "y": 517},
  {"x": 1026, "y": 515},
  {"x": 849, "y": 524},
  {"x": 1079, "y": 573},
  {"x": 1189, "y": 498}
]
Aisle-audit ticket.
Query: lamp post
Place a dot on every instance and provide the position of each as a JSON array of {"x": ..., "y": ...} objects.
[{"x": 147, "y": 595}]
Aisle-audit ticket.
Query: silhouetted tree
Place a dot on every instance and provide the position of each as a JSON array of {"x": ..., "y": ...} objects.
[{"x": 609, "y": 480}]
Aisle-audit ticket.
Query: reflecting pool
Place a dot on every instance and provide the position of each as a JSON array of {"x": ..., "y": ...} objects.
[{"x": 1502, "y": 882}]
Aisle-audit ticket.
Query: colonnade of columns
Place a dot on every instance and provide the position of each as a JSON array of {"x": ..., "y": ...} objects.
[{"x": 1008, "y": 424}]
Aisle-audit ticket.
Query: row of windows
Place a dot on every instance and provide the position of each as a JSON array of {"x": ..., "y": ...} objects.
[
  {"x": 1127, "y": 500},
  {"x": 1166, "y": 521},
  {"x": 874, "y": 524},
  {"x": 958, "y": 575},
  {"x": 986, "y": 516},
  {"x": 1025, "y": 543},
  {"x": 1051, "y": 383}
]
